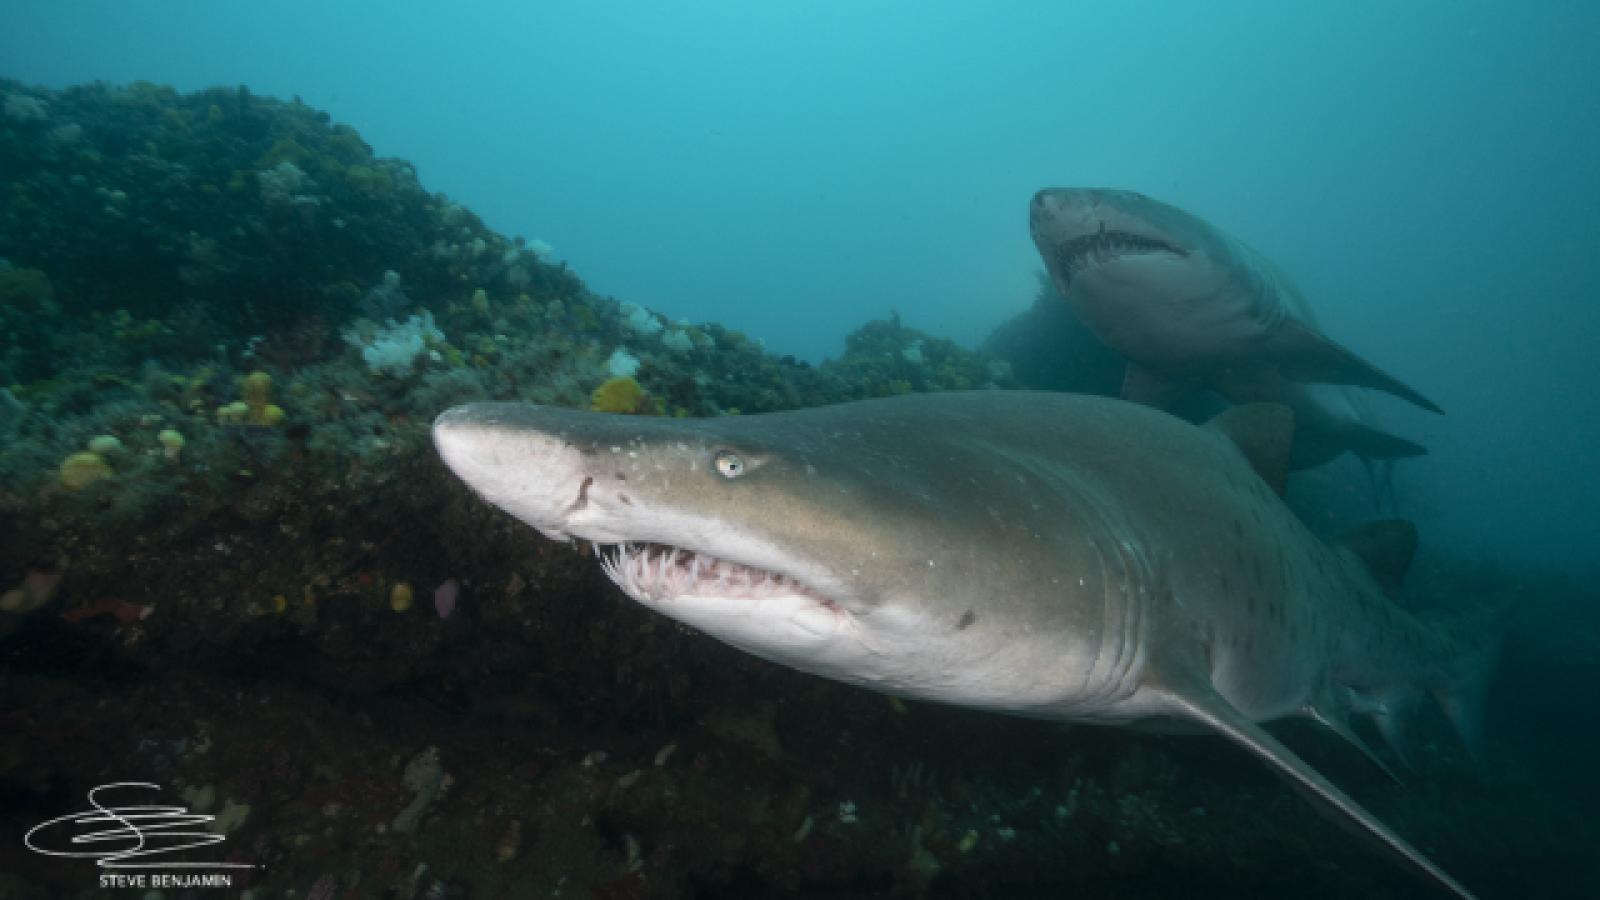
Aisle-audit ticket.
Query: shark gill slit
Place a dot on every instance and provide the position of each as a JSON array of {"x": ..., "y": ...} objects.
[{"x": 1124, "y": 586}]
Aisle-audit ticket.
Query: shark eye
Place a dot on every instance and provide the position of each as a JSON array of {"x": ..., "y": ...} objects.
[{"x": 728, "y": 464}]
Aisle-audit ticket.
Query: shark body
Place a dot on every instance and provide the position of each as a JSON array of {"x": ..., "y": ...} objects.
[
  {"x": 1064, "y": 557},
  {"x": 1190, "y": 306}
]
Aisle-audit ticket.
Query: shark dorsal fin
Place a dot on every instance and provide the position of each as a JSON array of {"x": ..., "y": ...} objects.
[
  {"x": 1264, "y": 433},
  {"x": 1386, "y": 548}
]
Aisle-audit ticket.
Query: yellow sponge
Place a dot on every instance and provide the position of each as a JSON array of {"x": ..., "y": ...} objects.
[
  {"x": 621, "y": 395},
  {"x": 80, "y": 470},
  {"x": 258, "y": 396}
]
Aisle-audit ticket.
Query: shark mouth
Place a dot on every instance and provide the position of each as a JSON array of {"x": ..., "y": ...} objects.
[
  {"x": 1103, "y": 246},
  {"x": 659, "y": 573}
]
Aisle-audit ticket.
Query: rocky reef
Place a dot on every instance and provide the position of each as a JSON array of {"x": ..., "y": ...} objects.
[{"x": 225, "y": 327}]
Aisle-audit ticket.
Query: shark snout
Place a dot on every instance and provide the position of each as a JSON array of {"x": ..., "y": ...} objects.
[
  {"x": 1060, "y": 214},
  {"x": 1068, "y": 200},
  {"x": 512, "y": 456},
  {"x": 1079, "y": 211}
]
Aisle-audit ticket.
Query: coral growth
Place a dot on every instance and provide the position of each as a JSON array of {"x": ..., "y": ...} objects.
[{"x": 25, "y": 290}]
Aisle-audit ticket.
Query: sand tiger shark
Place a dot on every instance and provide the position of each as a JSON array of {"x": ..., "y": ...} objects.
[
  {"x": 1189, "y": 306},
  {"x": 1050, "y": 555}
]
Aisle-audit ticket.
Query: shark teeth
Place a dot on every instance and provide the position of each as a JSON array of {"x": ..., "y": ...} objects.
[
  {"x": 658, "y": 573},
  {"x": 1103, "y": 246}
]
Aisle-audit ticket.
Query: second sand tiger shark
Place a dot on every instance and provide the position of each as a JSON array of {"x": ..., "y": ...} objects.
[
  {"x": 1190, "y": 306},
  {"x": 1048, "y": 555}
]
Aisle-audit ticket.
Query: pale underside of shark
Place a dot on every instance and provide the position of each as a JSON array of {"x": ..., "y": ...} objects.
[
  {"x": 1190, "y": 306},
  {"x": 1057, "y": 556}
]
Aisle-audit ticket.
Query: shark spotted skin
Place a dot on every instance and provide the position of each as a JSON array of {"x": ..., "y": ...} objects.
[
  {"x": 1190, "y": 306},
  {"x": 1049, "y": 555}
]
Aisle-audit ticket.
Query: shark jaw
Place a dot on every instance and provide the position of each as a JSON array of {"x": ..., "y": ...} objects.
[
  {"x": 1084, "y": 232},
  {"x": 767, "y": 612},
  {"x": 1102, "y": 248},
  {"x": 657, "y": 573}
]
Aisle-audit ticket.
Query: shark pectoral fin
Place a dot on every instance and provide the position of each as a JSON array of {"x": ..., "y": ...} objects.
[
  {"x": 1206, "y": 706},
  {"x": 1304, "y": 354},
  {"x": 1264, "y": 433},
  {"x": 1151, "y": 388},
  {"x": 1373, "y": 443},
  {"x": 1386, "y": 548}
]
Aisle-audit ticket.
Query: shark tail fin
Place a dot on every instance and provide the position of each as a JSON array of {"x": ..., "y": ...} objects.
[
  {"x": 1471, "y": 639},
  {"x": 1306, "y": 354},
  {"x": 1464, "y": 683}
]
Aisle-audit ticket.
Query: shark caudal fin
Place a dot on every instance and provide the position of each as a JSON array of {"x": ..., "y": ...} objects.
[
  {"x": 1461, "y": 691},
  {"x": 1470, "y": 637},
  {"x": 1459, "y": 687},
  {"x": 1304, "y": 354},
  {"x": 1201, "y": 704}
]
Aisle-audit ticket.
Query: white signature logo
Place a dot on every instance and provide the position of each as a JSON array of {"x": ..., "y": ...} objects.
[{"x": 137, "y": 833}]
